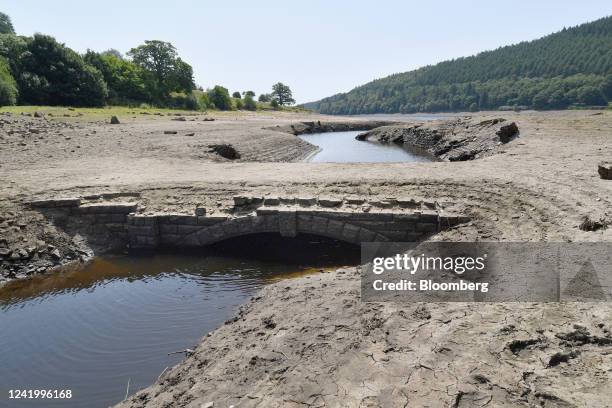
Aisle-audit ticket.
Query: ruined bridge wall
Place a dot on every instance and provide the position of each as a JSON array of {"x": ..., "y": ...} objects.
[{"x": 118, "y": 225}]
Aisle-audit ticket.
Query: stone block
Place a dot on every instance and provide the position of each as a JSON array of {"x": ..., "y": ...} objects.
[
  {"x": 287, "y": 223},
  {"x": 337, "y": 215},
  {"x": 371, "y": 216},
  {"x": 404, "y": 225},
  {"x": 102, "y": 218},
  {"x": 212, "y": 233},
  {"x": 119, "y": 218},
  {"x": 311, "y": 211},
  {"x": 266, "y": 211},
  {"x": 211, "y": 220},
  {"x": 271, "y": 201},
  {"x": 426, "y": 227},
  {"x": 183, "y": 219},
  {"x": 306, "y": 201},
  {"x": 231, "y": 228},
  {"x": 330, "y": 202},
  {"x": 123, "y": 236},
  {"x": 350, "y": 232},
  {"x": 116, "y": 227},
  {"x": 372, "y": 225},
  {"x": 114, "y": 208},
  {"x": 241, "y": 200},
  {"x": 141, "y": 220},
  {"x": 145, "y": 241},
  {"x": 190, "y": 241},
  {"x": 168, "y": 229},
  {"x": 428, "y": 216},
  {"x": 84, "y": 218},
  {"x": 145, "y": 230},
  {"x": 383, "y": 203},
  {"x": 319, "y": 224},
  {"x": 407, "y": 217},
  {"x": 287, "y": 200},
  {"x": 188, "y": 229},
  {"x": 59, "y": 202},
  {"x": 166, "y": 218},
  {"x": 355, "y": 200},
  {"x": 149, "y": 220},
  {"x": 246, "y": 224},
  {"x": 334, "y": 228},
  {"x": 271, "y": 223},
  {"x": 405, "y": 202},
  {"x": 365, "y": 235},
  {"x": 258, "y": 224},
  {"x": 304, "y": 222}
]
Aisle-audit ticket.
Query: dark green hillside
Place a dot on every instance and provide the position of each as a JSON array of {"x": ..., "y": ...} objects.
[{"x": 570, "y": 67}]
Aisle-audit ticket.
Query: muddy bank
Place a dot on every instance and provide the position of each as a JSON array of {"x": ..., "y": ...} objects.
[
  {"x": 458, "y": 139},
  {"x": 31, "y": 245},
  {"x": 311, "y": 342}
]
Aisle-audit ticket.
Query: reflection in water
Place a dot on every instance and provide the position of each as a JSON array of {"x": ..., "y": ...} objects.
[
  {"x": 342, "y": 147},
  {"x": 91, "y": 330}
]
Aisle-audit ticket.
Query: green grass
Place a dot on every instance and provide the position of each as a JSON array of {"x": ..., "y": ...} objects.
[
  {"x": 104, "y": 113},
  {"x": 66, "y": 113}
]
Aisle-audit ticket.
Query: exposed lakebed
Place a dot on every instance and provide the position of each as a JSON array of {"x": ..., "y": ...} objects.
[
  {"x": 93, "y": 330},
  {"x": 342, "y": 147}
]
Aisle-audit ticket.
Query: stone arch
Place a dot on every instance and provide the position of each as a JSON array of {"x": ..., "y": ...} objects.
[{"x": 288, "y": 224}]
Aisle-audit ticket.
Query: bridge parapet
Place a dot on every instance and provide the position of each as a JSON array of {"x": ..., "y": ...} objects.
[{"x": 353, "y": 220}]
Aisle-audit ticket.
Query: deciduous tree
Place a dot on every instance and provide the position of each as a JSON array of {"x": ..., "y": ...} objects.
[
  {"x": 6, "y": 26},
  {"x": 282, "y": 94}
]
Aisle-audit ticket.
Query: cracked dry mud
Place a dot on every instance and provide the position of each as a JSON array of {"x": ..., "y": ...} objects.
[{"x": 311, "y": 341}]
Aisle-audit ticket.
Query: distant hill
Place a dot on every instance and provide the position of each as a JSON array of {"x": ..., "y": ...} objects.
[{"x": 572, "y": 67}]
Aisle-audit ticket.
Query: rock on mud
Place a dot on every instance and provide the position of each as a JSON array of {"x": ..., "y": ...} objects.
[
  {"x": 114, "y": 120},
  {"x": 458, "y": 139},
  {"x": 507, "y": 132},
  {"x": 226, "y": 151},
  {"x": 605, "y": 170}
]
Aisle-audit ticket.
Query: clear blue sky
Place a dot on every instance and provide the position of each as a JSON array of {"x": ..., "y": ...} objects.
[{"x": 317, "y": 47}]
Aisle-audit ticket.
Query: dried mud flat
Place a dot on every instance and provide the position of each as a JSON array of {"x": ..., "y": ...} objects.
[{"x": 310, "y": 341}]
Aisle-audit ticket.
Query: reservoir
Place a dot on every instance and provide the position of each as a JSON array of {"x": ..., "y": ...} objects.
[{"x": 342, "y": 147}]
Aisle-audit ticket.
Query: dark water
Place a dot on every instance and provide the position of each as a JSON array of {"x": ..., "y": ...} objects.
[
  {"x": 342, "y": 147},
  {"x": 93, "y": 330}
]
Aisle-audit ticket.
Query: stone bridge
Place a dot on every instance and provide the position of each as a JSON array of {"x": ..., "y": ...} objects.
[{"x": 352, "y": 220}]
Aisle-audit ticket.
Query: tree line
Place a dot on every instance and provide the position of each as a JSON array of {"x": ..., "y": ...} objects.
[
  {"x": 39, "y": 70},
  {"x": 572, "y": 67}
]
